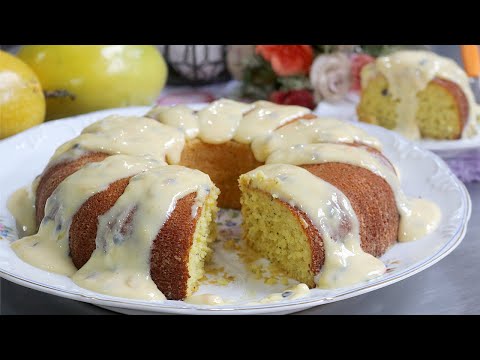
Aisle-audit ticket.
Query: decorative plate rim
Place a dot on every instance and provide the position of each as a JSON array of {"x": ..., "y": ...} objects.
[
  {"x": 263, "y": 309},
  {"x": 292, "y": 306}
]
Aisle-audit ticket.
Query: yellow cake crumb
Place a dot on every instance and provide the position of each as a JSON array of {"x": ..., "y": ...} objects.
[
  {"x": 271, "y": 281},
  {"x": 205, "y": 234},
  {"x": 437, "y": 113},
  {"x": 272, "y": 231}
]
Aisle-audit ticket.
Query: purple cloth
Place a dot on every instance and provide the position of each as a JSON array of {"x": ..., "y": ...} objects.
[{"x": 466, "y": 166}]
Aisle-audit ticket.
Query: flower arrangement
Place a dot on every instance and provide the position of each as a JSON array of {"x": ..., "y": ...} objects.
[{"x": 300, "y": 74}]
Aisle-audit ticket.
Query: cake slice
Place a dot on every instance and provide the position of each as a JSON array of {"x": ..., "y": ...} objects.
[
  {"x": 419, "y": 94},
  {"x": 321, "y": 233},
  {"x": 442, "y": 109},
  {"x": 131, "y": 226}
]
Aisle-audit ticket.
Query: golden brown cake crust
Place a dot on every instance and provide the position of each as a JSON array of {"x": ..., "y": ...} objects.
[
  {"x": 171, "y": 249},
  {"x": 371, "y": 198},
  {"x": 375, "y": 152},
  {"x": 460, "y": 100},
  {"x": 83, "y": 230},
  {"x": 224, "y": 163},
  {"x": 54, "y": 175}
]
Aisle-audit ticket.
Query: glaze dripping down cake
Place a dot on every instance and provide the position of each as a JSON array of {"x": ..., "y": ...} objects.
[
  {"x": 420, "y": 94},
  {"x": 128, "y": 207}
]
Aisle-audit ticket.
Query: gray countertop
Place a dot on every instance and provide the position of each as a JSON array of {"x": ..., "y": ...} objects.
[{"x": 448, "y": 287}]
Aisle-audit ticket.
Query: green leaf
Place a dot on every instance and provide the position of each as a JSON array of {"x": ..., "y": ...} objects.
[
  {"x": 294, "y": 82},
  {"x": 259, "y": 79}
]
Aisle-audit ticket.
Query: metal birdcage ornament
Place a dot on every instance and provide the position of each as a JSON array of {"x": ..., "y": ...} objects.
[{"x": 195, "y": 64}]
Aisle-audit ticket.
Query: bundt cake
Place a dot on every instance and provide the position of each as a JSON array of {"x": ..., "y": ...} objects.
[
  {"x": 419, "y": 94},
  {"x": 127, "y": 208}
]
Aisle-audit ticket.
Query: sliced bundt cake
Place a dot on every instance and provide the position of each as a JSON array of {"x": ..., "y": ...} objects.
[
  {"x": 148, "y": 226},
  {"x": 326, "y": 215}
]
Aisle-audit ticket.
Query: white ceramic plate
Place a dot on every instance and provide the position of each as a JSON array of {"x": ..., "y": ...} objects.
[
  {"x": 346, "y": 110},
  {"x": 423, "y": 174}
]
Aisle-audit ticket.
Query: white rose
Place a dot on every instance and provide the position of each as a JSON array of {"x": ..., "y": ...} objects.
[{"x": 330, "y": 76}]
